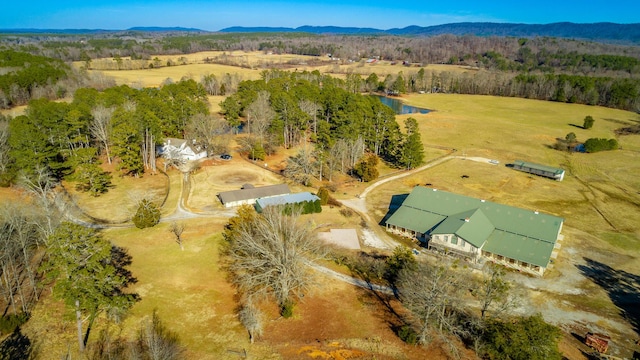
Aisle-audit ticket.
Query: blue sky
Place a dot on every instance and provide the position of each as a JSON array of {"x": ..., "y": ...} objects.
[{"x": 381, "y": 14}]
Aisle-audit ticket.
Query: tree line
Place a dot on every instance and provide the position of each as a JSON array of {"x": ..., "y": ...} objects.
[
  {"x": 120, "y": 123},
  {"x": 556, "y": 53},
  {"x": 25, "y": 76}
]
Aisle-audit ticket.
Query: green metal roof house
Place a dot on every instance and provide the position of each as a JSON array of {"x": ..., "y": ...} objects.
[
  {"x": 477, "y": 229},
  {"x": 537, "y": 169}
]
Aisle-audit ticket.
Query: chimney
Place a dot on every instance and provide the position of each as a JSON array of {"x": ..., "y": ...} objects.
[
  {"x": 482, "y": 200},
  {"x": 466, "y": 219},
  {"x": 536, "y": 212}
]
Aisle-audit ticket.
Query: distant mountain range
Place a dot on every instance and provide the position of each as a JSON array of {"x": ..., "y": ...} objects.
[
  {"x": 609, "y": 32},
  {"x": 604, "y": 31}
]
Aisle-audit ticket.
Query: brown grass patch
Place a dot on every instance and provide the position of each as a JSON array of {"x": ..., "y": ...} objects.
[
  {"x": 10, "y": 195},
  {"x": 339, "y": 321}
]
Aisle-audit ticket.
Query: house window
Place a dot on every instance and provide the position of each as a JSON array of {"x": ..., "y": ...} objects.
[
  {"x": 463, "y": 243},
  {"x": 454, "y": 240},
  {"x": 446, "y": 238}
]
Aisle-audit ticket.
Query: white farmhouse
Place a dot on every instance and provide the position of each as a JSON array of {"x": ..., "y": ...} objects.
[{"x": 180, "y": 149}]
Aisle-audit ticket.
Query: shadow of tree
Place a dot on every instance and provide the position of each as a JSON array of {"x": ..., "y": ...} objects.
[
  {"x": 394, "y": 205},
  {"x": 623, "y": 288},
  {"x": 621, "y": 122},
  {"x": 371, "y": 267}
]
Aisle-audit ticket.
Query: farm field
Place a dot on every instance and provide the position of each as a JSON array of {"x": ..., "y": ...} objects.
[
  {"x": 244, "y": 65},
  {"x": 599, "y": 200}
]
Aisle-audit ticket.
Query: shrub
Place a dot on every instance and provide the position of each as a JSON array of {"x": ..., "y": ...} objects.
[
  {"x": 323, "y": 194},
  {"x": 346, "y": 212},
  {"x": 8, "y": 323},
  {"x": 286, "y": 310},
  {"x": 598, "y": 144},
  {"x": 367, "y": 169},
  {"x": 408, "y": 335},
  {"x": 528, "y": 338},
  {"x": 257, "y": 152},
  {"x": 148, "y": 215},
  {"x": 588, "y": 122},
  {"x": 311, "y": 207}
]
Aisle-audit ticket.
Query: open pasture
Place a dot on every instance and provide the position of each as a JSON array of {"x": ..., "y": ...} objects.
[{"x": 601, "y": 192}]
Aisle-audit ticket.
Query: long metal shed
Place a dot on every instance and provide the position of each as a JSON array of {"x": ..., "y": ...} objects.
[
  {"x": 249, "y": 195},
  {"x": 538, "y": 169}
]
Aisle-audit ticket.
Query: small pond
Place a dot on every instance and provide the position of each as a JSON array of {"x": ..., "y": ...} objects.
[{"x": 399, "y": 107}]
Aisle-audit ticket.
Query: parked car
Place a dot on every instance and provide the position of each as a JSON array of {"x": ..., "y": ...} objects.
[
  {"x": 225, "y": 157},
  {"x": 494, "y": 162}
]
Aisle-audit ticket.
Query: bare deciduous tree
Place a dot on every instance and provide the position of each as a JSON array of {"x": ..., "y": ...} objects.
[
  {"x": 259, "y": 115},
  {"x": 300, "y": 168},
  {"x": 336, "y": 157},
  {"x": 173, "y": 157},
  {"x": 20, "y": 237},
  {"x": 433, "y": 295},
  {"x": 100, "y": 127},
  {"x": 211, "y": 84},
  {"x": 41, "y": 187},
  {"x": 156, "y": 342},
  {"x": 211, "y": 133},
  {"x": 177, "y": 229},
  {"x": 355, "y": 151},
  {"x": 251, "y": 319},
  {"x": 493, "y": 291},
  {"x": 268, "y": 252}
]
